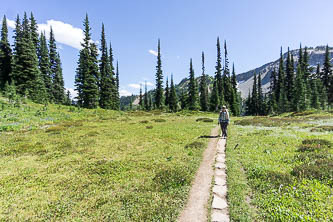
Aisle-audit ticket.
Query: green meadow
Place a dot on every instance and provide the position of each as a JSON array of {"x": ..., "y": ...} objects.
[
  {"x": 281, "y": 168},
  {"x": 63, "y": 163}
]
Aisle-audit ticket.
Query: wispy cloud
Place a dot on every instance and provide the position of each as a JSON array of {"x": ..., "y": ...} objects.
[
  {"x": 153, "y": 52},
  {"x": 148, "y": 83},
  {"x": 72, "y": 92},
  {"x": 134, "y": 85},
  {"x": 11, "y": 23},
  {"x": 63, "y": 32},
  {"x": 124, "y": 92}
]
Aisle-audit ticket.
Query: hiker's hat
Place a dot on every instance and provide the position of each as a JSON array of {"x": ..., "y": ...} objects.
[{"x": 224, "y": 107}]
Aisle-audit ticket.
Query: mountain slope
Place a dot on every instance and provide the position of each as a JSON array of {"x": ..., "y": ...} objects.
[{"x": 245, "y": 80}]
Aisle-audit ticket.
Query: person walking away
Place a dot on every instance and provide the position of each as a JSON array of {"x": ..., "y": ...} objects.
[{"x": 224, "y": 121}]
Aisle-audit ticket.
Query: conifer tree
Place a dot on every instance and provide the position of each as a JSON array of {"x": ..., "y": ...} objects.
[
  {"x": 173, "y": 100},
  {"x": 299, "y": 98},
  {"x": 203, "y": 87},
  {"x": 141, "y": 98},
  {"x": 58, "y": 83},
  {"x": 218, "y": 74},
  {"x": 44, "y": 66},
  {"x": 254, "y": 98},
  {"x": 260, "y": 103},
  {"x": 68, "y": 100},
  {"x": 281, "y": 78},
  {"x": 272, "y": 92},
  {"x": 105, "y": 83},
  {"x": 327, "y": 69},
  {"x": 117, "y": 99},
  {"x": 289, "y": 81},
  {"x": 214, "y": 97},
  {"x": 5, "y": 56},
  {"x": 315, "y": 103},
  {"x": 146, "y": 99},
  {"x": 26, "y": 73},
  {"x": 233, "y": 78},
  {"x": 115, "y": 82},
  {"x": 167, "y": 93},
  {"x": 183, "y": 100},
  {"x": 34, "y": 31},
  {"x": 192, "y": 90},
  {"x": 86, "y": 79},
  {"x": 159, "y": 80}
]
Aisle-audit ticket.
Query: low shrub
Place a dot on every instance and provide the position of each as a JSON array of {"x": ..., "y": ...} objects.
[
  {"x": 206, "y": 120},
  {"x": 149, "y": 127},
  {"x": 195, "y": 145},
  {"x": 171, "y": 177},
  {"x": 322, "y": 129},
  {"x": 144, "y": 121},
  {"x": 159, "y": 120}
]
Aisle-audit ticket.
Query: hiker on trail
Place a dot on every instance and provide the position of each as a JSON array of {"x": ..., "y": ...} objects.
[{"x": 224, "y": 121}]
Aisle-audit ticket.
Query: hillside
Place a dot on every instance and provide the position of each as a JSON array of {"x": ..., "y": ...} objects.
[{"x": 245, "y": 79}]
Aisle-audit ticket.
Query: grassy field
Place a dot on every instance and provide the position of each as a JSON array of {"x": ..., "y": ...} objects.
[
  {"x": 282, "y": 168},
  {"x": 62, "y": 163}
]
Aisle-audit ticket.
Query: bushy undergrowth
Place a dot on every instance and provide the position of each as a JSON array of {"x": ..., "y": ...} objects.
[{"x": 285, "y": 174}]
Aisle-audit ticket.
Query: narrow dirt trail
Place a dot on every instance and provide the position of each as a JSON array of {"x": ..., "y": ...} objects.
[{"x": 197, "y": 204}]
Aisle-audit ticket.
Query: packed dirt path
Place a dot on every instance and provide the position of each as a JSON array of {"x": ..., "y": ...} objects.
[{"x": 197, "y": 204}]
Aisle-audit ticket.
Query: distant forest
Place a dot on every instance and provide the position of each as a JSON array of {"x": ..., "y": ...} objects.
[{"x": 31, "y": 68}]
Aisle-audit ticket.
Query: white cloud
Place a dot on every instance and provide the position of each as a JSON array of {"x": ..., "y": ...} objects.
[
  {"x": 124, "y": 92},
  {"x": 64, "y": 33},
  {"x": 134, "y": 85},
  {"x": 148, "y": 83},
  {"x": 73, "y": 92},
  {"x": 11, "y": 23},
  {"x": 153, "y": 52}
]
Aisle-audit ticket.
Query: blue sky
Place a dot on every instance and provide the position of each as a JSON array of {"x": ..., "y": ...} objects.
[{"x": 254, "y": 31}]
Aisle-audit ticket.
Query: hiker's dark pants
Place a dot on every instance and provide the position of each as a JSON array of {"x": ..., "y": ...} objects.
[{"x": 224, "y": 128}]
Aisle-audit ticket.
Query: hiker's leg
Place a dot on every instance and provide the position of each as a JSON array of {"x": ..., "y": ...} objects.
[
  {"x": 226, "y": 130},
  {"x": 222, "y": 130}
]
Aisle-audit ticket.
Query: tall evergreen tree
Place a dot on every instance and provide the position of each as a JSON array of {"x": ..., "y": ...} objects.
[
  {"x": 183, "y": 99},
  {"x": 141, "y": 98},
  {"x": 226, "y": 60},
  {"x": 214, "y": 97},
  {"x": 115, "y": 84},
  {"x": 173, "y": 100},
  {"x": 105, "y": 83},
  {"x": 159, "y": 79},
  {"x": 44, "y": 66},
  {"x": 254, "y": 98},
  {"x": 260, "y": 103},
  {"x": 146, "y": 99},
  {"x": 281, "y": 77},
  {"x": 34, "y": 31},
  {"x": 300, "y": 98},
  {"x": 203, "y": 87},
  {"x": 26, "y": 73},
  {"x": 167, "y": 93},
  {"x": 5, "y": 55},
  {"x": 218, "y": 73},
  {"x": 289, "y": 81},
  {"x": 315, "y": 103},
  {"x": 58, "y": 83},
  {"x": 192, "y": 90},
  {"x": 233, "y": 78},
  {"x": 327, "y": 69},
  {"x": 117, "y": 99},
  {"x": 86, "y": 79}
]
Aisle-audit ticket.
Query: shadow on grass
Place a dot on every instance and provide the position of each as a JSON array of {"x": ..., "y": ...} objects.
[{"x": 200, "y": 137}]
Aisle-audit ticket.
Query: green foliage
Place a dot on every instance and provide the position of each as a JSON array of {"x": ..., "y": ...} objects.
[
  {"x": 192, "y": 91},
  {"x": 173, "y": 101},
  {"x": 5, "y": 55},
  {"x": 283, "y": 174},
  {"x": 159, "y": 79},
  {"x": 203, "y": 87}
]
